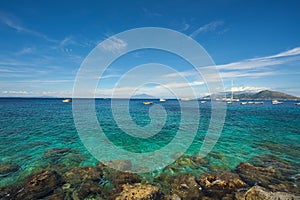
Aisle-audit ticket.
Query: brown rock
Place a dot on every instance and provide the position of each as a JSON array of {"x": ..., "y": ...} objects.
[
  {"x": 88, "y": 189},
  {"x": 285, "y": 187},
  {"x": 221, "y": 184},
  {"x": 39, "y": 185},
  {"x": 172, "y": 197},
  {"x": 8, "y": 192},
  {"x": 140, "y": 191},
  {"x": 263, "y": 176},
  {"x": 119, "y": 178},
  {"x": 260, "y": 193},
  {"x": 186, "y": 187}
]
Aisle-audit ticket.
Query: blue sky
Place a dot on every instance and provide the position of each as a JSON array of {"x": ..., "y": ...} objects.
[{"x": 255, "y": 44}]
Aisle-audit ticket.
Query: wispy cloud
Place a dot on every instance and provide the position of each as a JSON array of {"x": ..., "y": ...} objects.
[
  {"x": 14, "y": 92},
  {"x": 114, "y": 45},
  {"x": 9, "y": 21},
  {"x": 291, "y": 52},
  {"x": 149, "y": 13},
  {"x": 26, "y": 50},
  {"x": 248, "y": 68},
  {"x": 212, "y": 26},
  {"x": 263, "y": 62},
  {"x": 180, "y": 85}
]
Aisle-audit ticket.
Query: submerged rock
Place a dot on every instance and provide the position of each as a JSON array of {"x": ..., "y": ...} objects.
[
  {"x": 260, "y": 193},
  {"x": 56, "y": 151},
  {"x": 53, "y": 156},
  {"x": 263, "y": 176},
  {"x": 139, "y": 191},
  {"x": 220, "y": 185},
  {"x": 8, "y": 168},
  {"x": 39, "y": 185},
  {"x": 185, "y": 162},
  {"x": 121, "y": 165},
  {"x": 186, "y": 187},
  {"x": 77, "y": 175},
  {"x": 119, "y": 178},
  {"x": 268, "y": 160}
]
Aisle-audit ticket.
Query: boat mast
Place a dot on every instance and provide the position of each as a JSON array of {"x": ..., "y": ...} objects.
[{"x": 231, "y": 90}]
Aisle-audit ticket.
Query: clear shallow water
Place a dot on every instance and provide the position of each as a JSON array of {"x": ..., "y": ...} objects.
[{"x": 29, "y": 127}]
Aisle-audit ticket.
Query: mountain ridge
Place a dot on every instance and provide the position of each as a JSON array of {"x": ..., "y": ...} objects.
[{"x": 261, "y": 95}]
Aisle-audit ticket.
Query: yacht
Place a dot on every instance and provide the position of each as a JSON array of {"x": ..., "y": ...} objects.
[
  {"x": 67, "y": 100},
  {"x": 258, "y": 102},
  {"x": 276, "y": 102},
  {"x": 162, "y": 100},
  {"x": 147, "y": 102}
]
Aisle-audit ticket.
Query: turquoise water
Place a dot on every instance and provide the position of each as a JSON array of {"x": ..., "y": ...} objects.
[{"x": 29, "y": 127}]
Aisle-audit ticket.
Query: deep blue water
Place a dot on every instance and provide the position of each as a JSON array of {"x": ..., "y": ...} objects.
[{"x": 30, "y": 126}]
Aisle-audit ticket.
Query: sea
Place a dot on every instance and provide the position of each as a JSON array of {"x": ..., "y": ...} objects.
[{"x": 31, "y": 127}]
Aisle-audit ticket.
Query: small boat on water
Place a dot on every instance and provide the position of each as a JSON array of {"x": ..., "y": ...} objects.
[
  {"x": 258, "y": 102},
  {"x": 276, "y": 102},
  {"x": 147, "y": 102},
  {"x": 186, "y": 99},
  {"x": 203, "y": 102},
  {"x": 162, "y": 100},
  {"x": 297, "y": 104},
  {"x": 244, "y": 103},
  {"x": 67, "y": 100}
]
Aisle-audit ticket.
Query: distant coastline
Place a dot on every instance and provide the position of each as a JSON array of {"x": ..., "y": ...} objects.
[{"x": 261, "y": 95}]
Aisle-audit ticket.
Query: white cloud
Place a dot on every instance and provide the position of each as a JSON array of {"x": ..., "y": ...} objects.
[
  {"x": 113, "y": 45},
  {"x": 248, "y": 89},
  {"x": 291, "y": 52},
  {"x": 207, "y": 27}
]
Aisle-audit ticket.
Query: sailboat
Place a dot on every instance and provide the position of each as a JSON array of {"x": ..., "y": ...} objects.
[
  {"x": 162, "y": 100},
  {"x": 229, "y": 101}
]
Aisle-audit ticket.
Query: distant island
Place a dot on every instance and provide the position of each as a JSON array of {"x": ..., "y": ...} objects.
[
  {"x": 262, "y": 95},
  {"x": 143, "y": 96}
]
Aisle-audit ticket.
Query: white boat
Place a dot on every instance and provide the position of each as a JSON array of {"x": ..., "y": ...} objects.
[
  {"x": 243, "y": 103},
  {"x": 297, "y": 104},
  {"x": 258, "y": 102},
  {"x": 250, "y": 102},
  {"x": 276, "y": 102},
  {"x": 162, "y": 100},
  {"x": 186, "y": 99},
  {"x": 203, "y": 101},
  {"x": 67, "y": 100}
]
